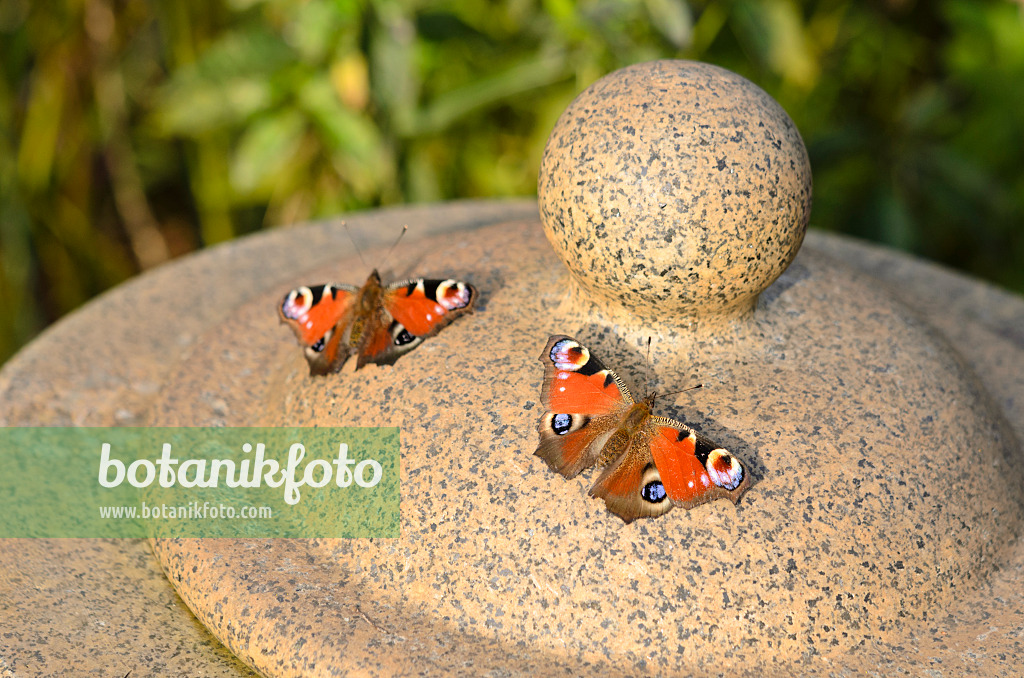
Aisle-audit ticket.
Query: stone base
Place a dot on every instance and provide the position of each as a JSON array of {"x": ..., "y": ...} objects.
[{"x": 284, "y": 607}]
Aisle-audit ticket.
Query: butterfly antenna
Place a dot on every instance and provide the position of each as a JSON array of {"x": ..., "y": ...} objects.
[
  {"x": 691, "y": 388},
  {"x": 354, "y": 243},
  {"x": 394, "y": 245}
]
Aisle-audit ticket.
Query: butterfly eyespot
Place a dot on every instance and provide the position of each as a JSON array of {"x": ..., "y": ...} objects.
[
  {"x": 451, "y": 294},
  {"x": 403, "y": 338},
  {"x": 724, "y": 469},
  {"x": 569, "y": 355},
  {"x": 318, "y": 347},
  {"x": 653, "y": 492},
  {"x": 561, "y": 424},
  {"x": 297, "y": 303}
]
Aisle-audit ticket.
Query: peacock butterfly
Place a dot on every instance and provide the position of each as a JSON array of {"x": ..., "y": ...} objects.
[
  {"x": 651, "y": 463},
  {"x": 378, "y": 322}
]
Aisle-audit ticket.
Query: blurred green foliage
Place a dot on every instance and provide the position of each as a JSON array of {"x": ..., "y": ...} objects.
[{"x": 134, "y": 132}]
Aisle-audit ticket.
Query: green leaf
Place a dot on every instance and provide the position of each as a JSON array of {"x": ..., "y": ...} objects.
[
  {"x": 673, "y": 19},
  {"x": 312, "y": 30},
  {"x": 344, "y": 129},
  {"x": 353, "y": 142},
  {"x": 895, "y": 220},
  {"x": 264, "y": 149},
  {"x": 230, "y": 82},
  {"x": 531, "y": 74},
  {"x": 256, "y": 50},
  {"x": 211, "y": 106},
  {"x": 41, "y": 134},
  {"x": 776, "y": 32},
  {"x": 394, "y": 75}
]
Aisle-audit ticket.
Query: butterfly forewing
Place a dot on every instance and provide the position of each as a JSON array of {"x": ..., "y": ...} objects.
[
  {"x": 319, "y": 315},
  {"x": 585, "y": 401},
  {"x": 423, "y": 307},
  {"x": 577, "y": 382},
  {"x": 693, "y": 468}
]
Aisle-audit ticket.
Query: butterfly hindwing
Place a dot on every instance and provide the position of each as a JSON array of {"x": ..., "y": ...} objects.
[
  {"x": 319, "y": 316},
  {"x": 409, "y": 312},
  {"x": 375, "y": 342},
  {"x": 631, "y": 485},
  {"x": 570, "y": 443}
]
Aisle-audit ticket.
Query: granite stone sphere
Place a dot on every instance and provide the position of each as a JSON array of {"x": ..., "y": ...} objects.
[{"x": 691, "y": 174}]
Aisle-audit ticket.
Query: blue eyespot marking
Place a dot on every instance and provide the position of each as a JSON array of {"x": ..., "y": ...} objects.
[
  {"x": 404, "y": 338},
  {"x": 653, "y": 492},
  {"x": 561, "y": 424}
]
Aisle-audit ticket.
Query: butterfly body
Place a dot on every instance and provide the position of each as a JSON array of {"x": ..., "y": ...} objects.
[
  {"x": 650, "y": 463},
  {"x": 379, "y": 323}
]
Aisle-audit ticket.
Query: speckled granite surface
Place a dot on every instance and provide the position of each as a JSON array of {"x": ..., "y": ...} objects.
[
  {"x": 104, "y": 607},
  {"x": 98, "y": 607},
  {"x": 841, "y": 546},
  {"x": 882, "y": 428},
  {"x": 979, "y": 632},
  {"x": 675, "y": 188}
]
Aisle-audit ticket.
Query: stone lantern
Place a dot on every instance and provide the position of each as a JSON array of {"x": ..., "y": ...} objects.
[{"x": 876, "y": 400}]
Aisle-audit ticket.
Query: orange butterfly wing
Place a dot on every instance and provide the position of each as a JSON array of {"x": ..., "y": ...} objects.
[
  {"x": 423, "y": 307},
  {"x": 411, "y": 311},
  {"x": 584, "y": 402},
  {"x": 319, "y": 316}
]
